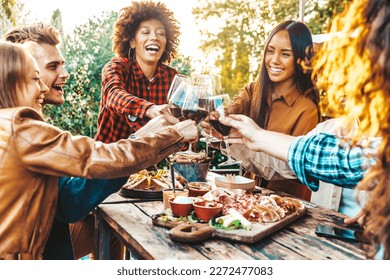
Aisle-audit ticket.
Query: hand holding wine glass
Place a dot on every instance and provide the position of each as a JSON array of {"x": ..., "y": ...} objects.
[{"x": 218, "y": 105}]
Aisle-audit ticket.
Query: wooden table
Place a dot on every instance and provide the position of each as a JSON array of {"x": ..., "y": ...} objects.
[{"x": 131, "y": 222}]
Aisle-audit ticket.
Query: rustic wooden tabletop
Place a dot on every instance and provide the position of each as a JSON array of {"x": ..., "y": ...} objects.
[{"x": 130, "y": 220}]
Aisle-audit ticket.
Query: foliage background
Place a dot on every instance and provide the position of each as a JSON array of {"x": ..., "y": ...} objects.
[
  {"x": 236, "y": 48},
  {"x": 86, "y": 51}
]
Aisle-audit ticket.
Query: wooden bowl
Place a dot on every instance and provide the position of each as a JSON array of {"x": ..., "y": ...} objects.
[
  {"x": 206, "y": 210},
  {"x": 181, "y": 209},
  {"x": 236, "y": 182},
  {"x": 198, "y": 188}
]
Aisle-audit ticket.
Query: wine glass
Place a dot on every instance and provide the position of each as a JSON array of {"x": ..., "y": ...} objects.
[
  {"x": 217, "y": 84},
  {"x": 195, "y": 107},
  {"x": 205, "y": 81},
  {"x": 217, "y": 109},
  {"x": 177, "y": 80},
  {"x": 176, "y": 99},
  {"x": 212, "y": 84}
]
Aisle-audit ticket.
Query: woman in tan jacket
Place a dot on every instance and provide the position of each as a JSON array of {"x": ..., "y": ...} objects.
[
  {"x": 282, "y": 99},
  {"x": 33, "y": 154}
]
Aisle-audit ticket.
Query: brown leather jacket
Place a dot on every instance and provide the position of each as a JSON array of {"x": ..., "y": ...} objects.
[{"x": 32, "y": 155}]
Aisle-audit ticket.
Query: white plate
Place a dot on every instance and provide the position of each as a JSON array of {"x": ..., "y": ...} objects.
[{"x": 237, "y": 182}]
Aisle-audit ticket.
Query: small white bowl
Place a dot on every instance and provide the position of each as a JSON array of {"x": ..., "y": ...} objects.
[{"x": 237, "y": 182}]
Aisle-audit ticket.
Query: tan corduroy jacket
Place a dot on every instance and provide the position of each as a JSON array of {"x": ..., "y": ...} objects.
[{"x": 32, "y": 155}]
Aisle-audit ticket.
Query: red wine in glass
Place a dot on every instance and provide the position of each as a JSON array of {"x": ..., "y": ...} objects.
[
  {"x": 221, "y": 128},
  {"x": 178, "y": 95},
  {"x": 193, "y": 109},
  {"x": 175, "y": 111},
  {"x": 203, "y": 102},
  {"x": 196, "y": 115},
  {"x": 217, "y": 108}
]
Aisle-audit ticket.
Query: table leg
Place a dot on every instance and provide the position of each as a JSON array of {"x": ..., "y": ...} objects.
[{"x": 102, "y": 238}]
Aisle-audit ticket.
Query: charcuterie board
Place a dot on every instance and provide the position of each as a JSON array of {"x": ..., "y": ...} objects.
[{"x": 258, "y": 231}]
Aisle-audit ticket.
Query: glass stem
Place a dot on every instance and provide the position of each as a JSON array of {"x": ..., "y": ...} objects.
[
  {"x": 211, "y": 136},
  {"x": 226, "y": 139}
]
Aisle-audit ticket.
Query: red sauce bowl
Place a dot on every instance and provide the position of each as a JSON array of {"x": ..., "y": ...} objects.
[
  {"x": 206, "y": 210},
  {"x": 198, "y": 188},
  {"x": 180, "y": 209}
]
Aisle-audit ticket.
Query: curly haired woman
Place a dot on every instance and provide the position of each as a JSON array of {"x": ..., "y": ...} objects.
[{"x": 135, "y": 83}]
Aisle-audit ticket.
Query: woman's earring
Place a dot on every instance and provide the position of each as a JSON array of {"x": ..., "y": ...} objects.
[{"x": 131, "y": 53}]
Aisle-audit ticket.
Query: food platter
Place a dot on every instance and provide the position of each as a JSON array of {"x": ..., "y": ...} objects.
[
  {"x": 258, "y": 231},
  {"x": 129, "y": 193},
  {"x": 149, "y": 184},
  {"x": 259, "y": 227}
]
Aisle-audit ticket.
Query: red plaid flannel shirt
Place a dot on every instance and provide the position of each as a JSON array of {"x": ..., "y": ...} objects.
[{"x": 126, "y": 95}]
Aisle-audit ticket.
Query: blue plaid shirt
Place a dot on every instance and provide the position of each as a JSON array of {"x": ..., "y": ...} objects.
[{"x": 323, "y": 157}]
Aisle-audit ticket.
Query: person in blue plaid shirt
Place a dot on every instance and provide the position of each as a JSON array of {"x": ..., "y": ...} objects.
[
  {"x": 358, "y": 59},
  {"x": 320, "y": 156}
]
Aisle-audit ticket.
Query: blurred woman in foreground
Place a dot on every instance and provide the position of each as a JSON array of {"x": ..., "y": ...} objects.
[
  {"x": 360, "y": 63},
  {"x": 354, "y": 67}
]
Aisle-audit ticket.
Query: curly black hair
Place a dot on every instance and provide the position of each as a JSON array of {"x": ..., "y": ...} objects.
[{"x": 131, "y": 17}]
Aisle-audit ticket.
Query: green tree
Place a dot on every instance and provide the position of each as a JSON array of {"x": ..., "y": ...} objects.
[
  {"x": 240, "y": 40},
  {"x": 86, "y": 51},
  {"x": 56, "y": 21},
  {"x": 238, "y": 45},
  {"x": 182, "y": 64},
  {"x": 11, "y": 14},
  {"x": 321, "y": 15}
]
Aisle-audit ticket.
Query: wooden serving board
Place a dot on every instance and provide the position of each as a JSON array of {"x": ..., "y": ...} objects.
[{"x": 259, "y": 230}]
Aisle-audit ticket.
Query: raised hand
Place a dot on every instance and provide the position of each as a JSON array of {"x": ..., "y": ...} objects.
[
  {"x": 156, "y": 123},
  {"x": 246, "y": 131},
  {"x": 188, "y": 129},
  {"x": 156, "y": 110},
  {"x": 257, "y": 139}
]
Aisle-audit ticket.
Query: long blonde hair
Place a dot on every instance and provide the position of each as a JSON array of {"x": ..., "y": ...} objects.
[
  {"x": 355, "y": 67},
  {"x": 14, "y": 69}
]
